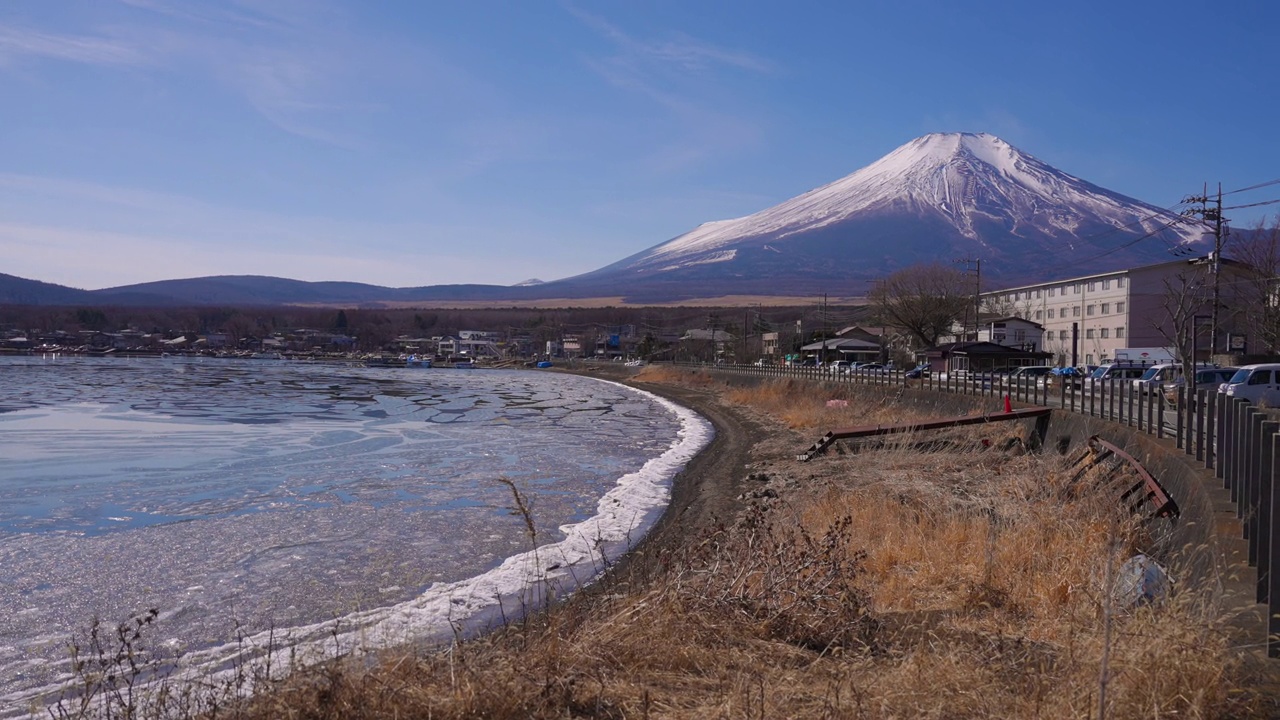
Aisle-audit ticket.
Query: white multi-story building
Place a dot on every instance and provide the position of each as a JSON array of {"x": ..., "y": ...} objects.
[{"x": 1086, "y": 319}]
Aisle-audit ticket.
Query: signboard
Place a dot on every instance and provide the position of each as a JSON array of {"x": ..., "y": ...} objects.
[{"x": 1235, "y": 343}]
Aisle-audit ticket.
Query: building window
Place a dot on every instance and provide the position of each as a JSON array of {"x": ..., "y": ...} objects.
[
  {"x": 1088, "y": 359},
  {"x": 1104, "y": 332},
  {"x": 1106, "y": 284},
  {"x": 1075, "y": 311},
  {"x": 1119, "y": 282},
  {"x": 1106, "y": 308},
  {"x": 1040, "y": 314},
  {"x": 1050, "y": 313},
  {"x": 1089, "y": 310},
  {"x": 1037, "y": 294},
  {"x": 1076, "y": 288},
  {"x": 1062, "y": 334},
  {"x": 1091, "y": 286},
  {"x": 1088, "y": 334},
  {"x": 1119, "y": 307},
  {"x": 1120, "y": 331},
  {"x": 1051, "y": 291}
]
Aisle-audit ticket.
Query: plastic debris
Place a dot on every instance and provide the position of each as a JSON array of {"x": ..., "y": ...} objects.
[{"x": 1141, "y": 581}]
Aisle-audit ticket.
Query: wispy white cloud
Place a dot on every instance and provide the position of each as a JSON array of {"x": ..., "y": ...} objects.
[
  {"x": 678, "y": 50},
  {"x": 200, "y": 12},
  {"x": 18, "y": 43},
  {"x": 292, "y": 62},
  {"x": 682, "y": 75}
]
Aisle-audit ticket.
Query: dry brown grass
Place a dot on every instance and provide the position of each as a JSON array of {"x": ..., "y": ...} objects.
[{"x": 934, "y": 577}]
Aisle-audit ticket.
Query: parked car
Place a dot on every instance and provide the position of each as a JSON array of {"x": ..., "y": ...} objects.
[
  {"x": 1028, "y": 375},
  {"x": 1068, "y": 376},
  {"x": 1156, "y": 376},
  {"x": 919, "y": 371},
  {"x": 1111, "y": 372},
  {"x": 871, "y": 368},
  {"x": 1214, "y": 377},
  {"x": 1259, "y": 384}
]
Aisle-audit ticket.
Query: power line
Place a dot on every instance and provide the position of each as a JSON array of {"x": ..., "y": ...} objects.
[
  {"x": 1254, "y": 187},
  {"x": 1257, "y": 204}
]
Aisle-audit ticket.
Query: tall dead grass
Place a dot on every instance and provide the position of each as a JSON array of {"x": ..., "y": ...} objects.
[{"x": 948, "y": 576}]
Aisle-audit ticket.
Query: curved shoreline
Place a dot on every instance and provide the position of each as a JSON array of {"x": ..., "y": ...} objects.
[
  {"x": 705, "y": 493},
  {"x": 632, "y": 508}
]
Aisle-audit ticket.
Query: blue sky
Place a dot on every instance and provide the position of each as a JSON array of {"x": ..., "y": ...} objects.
[{"x": 419, "y": 143}]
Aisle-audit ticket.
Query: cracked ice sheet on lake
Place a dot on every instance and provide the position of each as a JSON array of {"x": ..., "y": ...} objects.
[
  {"x": 347, "y": 509},
  {"x": 476, "y": 604}
]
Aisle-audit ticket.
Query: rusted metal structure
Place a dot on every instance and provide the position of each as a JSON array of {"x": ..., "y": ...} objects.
[
  {"x": 1041, "y": 414},
  {"x": 1146, "y": 491}
]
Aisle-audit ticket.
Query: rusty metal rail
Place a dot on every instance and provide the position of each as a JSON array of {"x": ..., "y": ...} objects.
[
  {"x": 873, "y": 430},
  {"x": 1146, "y": 490}
]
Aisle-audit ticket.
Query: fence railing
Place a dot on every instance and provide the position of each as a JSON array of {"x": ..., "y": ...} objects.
[{"x": 1238, "y": 440}]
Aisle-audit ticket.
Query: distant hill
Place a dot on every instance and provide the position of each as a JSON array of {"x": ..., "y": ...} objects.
[
  {"x": 20, "y": 291},
  {"x": 940, "y": 197}
]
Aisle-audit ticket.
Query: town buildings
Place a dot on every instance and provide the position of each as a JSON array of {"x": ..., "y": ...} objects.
[{"x": 1086, "y": 319}]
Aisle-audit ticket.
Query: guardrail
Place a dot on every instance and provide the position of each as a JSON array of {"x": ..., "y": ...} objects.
[{"x": 1237, "y": 440}]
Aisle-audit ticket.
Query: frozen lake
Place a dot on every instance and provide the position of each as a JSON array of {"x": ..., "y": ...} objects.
[{"x": 269, "y": 494}]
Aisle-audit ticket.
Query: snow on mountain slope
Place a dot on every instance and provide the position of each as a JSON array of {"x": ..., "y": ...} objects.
[{"x": 969, "y": 181}]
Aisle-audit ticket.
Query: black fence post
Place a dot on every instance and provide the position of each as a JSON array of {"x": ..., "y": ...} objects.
[
  {"x": 1182, "y": 410},
  {"x": 1241, "y": 468},
  {"x": 1272, "y": 582},
  {"x": 1226, "y": 432},
  {"x": 1201, "y": 398},
  {"x": 1211, "y": 430},
  {"x": 1263, "y": 529},
  {"x": 1249, "y": 492},
  {"x": 1160, "y": 419}
]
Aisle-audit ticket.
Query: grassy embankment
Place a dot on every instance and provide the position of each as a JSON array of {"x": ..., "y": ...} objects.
[{"x": 957, "y": 578}]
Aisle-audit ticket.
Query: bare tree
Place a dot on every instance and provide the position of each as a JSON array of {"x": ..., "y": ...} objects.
[
  {"x": 1188, "y": 298},
  {"x": 1259, "y": 252},
  {"x": 924, "y": 300}
]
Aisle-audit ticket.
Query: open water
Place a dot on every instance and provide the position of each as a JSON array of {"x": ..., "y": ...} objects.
[{"x": 277, "y": 499}]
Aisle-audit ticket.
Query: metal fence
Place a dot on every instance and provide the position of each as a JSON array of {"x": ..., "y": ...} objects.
[{"x": 1237, "y": 440}]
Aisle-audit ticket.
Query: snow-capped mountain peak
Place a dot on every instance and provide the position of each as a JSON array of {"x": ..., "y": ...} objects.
[
  {"x": 965, "y": 179},
  {"x": 935, "y": 199}
]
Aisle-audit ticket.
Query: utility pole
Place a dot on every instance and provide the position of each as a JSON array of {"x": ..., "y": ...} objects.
[
  {"x": 1212, "y": 215},
  {"x": 823, "y": 359},
  {"x": 976, "y": 269}
]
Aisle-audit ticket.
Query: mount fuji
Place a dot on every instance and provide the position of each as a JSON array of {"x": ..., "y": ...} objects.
[{"x": 938, "y": 198}]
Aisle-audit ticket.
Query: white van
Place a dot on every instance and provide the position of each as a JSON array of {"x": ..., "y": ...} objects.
[
  {"x": 1155, "y": 376},
  {"x": 1115, "y": 371},
  {"x": 1259, "y": 384}
]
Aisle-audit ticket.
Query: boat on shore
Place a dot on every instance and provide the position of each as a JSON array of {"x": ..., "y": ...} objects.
[{"x": 385, "y": 361}]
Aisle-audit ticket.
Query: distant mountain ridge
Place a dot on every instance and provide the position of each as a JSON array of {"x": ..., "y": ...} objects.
[{"x": 938, "y": 198}]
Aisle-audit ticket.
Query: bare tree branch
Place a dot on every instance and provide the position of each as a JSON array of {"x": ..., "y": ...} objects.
[{"x": 924, "y": 300}]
